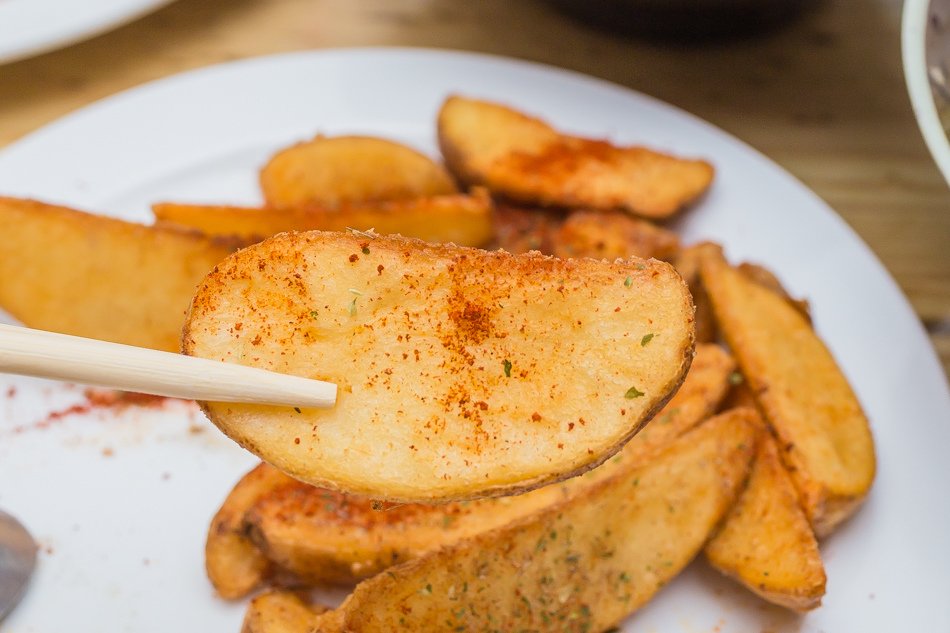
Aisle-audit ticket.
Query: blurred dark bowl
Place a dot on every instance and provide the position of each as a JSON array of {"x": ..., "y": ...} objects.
[{"x": 683, "y": 20}]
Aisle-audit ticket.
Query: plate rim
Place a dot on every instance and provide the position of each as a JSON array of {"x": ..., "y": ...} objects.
[{"x": 53, "y": 39}]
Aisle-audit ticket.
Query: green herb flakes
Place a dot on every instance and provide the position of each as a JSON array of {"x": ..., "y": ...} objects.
[
  {"x": 507, "y": 365},
  {"x": 632, "y": 393},
  {"x": 646, "y": 339}
]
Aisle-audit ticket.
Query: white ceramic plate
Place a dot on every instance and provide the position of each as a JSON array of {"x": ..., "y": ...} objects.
[
  {"x": 31, "y": 27},
  {"x": 121, "y": 501}
]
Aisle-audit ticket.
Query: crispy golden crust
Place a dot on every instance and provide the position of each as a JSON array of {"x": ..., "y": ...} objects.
[
  {"x": 101, "y": 278},
  {"x": 824, "y": 437},
  {"x": 524, "y": 159},
  {"x": 345, "y": 169},
  {"x": 463, "y": 219},
  {"x": 282, "y": 612},
  {"x": 609, "y": 235},
  {"x": 766, "y": 542},
  {"x": 462, "y": 373},
  {"x": 325, "y": 537},
  {"x": 582, "y": 564},
  {"x": 234, "y": 564}
]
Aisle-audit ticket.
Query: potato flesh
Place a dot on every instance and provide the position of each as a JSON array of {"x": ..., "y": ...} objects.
[
  {"x": 67, "y": 271},
  {"x": 462, "y": 219},
  {"x": 462, "y": 373},
  {"x": 525, "y": 159},
  {"x": 345, "y": 169},
  {"x": 324, "y": 537},
  {"x": 766, "y": 542},
  {"x": 823, "y": 434},
  {"x": 582, "y": 564}
]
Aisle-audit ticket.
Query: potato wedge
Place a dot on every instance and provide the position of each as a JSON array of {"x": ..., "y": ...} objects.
[
  {"x": 580, "y": 565},
  {"x": 765, "y": 277},
  {"x": 611, "y": 235},
  {"x": 72, "y": 272},
  {"x": 824, "y": 437},
  {"x": 525, "y": 159},
  {"x": 328, "y": 538},
  {"x": 463, "y": 219},
  {"x": 687, "y": 265},
  {"x": 462, "y": 372},
  {"x": 766, "y": 542},
  {"x": 234, "y": 564},
  {"x": 330, "y": 171},
  {"x": 278, "y": 611},
  {"x": 520, "y": 229}
]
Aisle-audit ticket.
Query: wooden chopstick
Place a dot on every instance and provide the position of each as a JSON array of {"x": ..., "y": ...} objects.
[{"x": 30, "y": 352}]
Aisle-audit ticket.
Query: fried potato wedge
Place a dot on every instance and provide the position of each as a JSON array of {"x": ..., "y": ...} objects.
[
  {"x": 463, "y": 219},
  {"x": 823, "y": 434},
  {"x": 234, "y": 564},
  {"x": 72, "y": 272},
  {"x": 609, "y": 235},
  {"x": 766, "y": 542},
  {"x": 525, "y": 159},
  {"x": 687, "y": 262},
  {"x": 329, "y": 538},
  {"x": 521, "y": 229},
  {"x": 582, "y": 564},
  {"x": 462, "y": 372},
  {"x": 765, "y": 277},
  {"x": 330, "y": 171},
  {"x": 277, "y": 611}
]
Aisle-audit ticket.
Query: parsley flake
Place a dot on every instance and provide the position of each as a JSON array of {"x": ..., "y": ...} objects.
[
  {"x": 313, "y": 314},
  {"x": 735, "y": 378},
  {"x": 366, "y": 250},
  {"x": 632, "y": 393},
  {"x": 507, "y": 365},
  {"x": 628, "y": 282},
  {"x": 646, "y": 339}
]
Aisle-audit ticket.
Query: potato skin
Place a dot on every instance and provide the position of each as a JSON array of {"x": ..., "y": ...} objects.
[
  {"x": 524, "y": 159},
  {"x": 338, "y": 170},
  {"x": 823, "y": 435},
  {"x": 579, "y": 565},
  {"x": 499, "y": 373}
]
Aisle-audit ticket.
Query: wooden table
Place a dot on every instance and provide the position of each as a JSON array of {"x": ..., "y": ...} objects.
[{"x": 825, "y": 96}]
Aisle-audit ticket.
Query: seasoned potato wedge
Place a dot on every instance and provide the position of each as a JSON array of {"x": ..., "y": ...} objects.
[
  {"x": 336, "y": 170},
  {"x": 687, "y": 265},
  {"x": 520, "y": 229},
  {"x": 766, "y": 542},
  {"x": 611, "y": 235},
  {"x": 278, "y": 611},
  {"x": 463, "y": 219},
  {"x": 234, "y": 565},
  {"x": 823, "y": 435},
  {"x": 325, "y": 537},
  {"x": 462, "y": 372},
  {"x": 765, "y": 277},
  {"x": 525, "y": 159},
  {"x": 72, "y": 272},
  {"x": 582, "y": 564}
]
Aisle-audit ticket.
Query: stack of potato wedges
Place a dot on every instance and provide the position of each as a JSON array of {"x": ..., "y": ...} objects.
[{"x": 748, "y": 447}]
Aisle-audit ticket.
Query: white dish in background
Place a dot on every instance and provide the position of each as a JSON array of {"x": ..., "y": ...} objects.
[
  {"x": 925, "y": 42},
  {"x": 125, "y": 530},
  {"x": 31, "y": 27}
]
